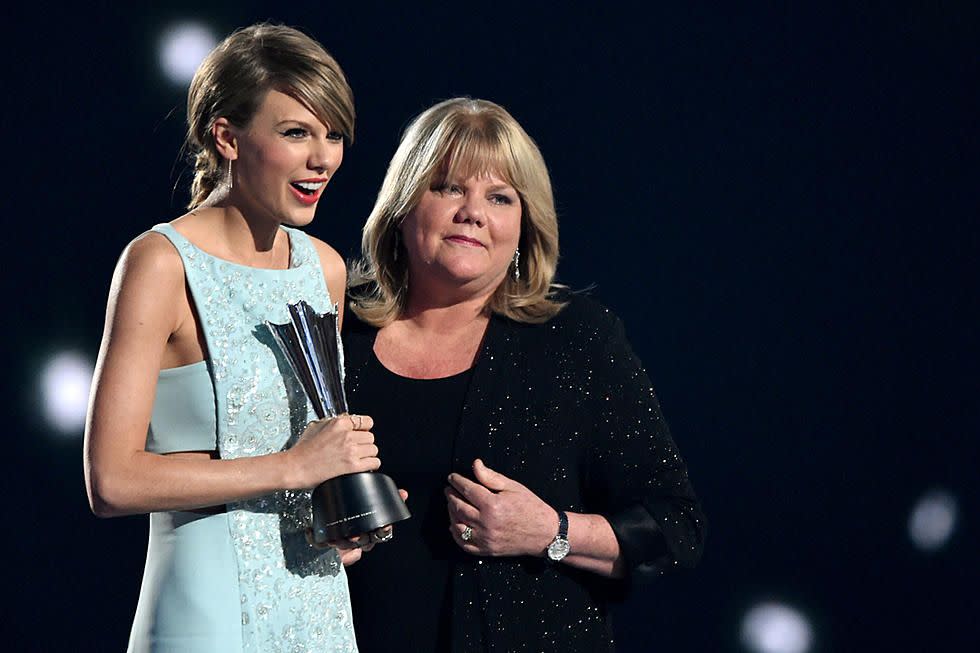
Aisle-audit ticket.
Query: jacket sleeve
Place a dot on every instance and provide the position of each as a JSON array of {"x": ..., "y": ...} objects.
[{"x": 636, "y": 476}]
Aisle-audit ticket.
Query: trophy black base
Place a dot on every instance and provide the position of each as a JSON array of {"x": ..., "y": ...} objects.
[{"x": 354, "y": 504}]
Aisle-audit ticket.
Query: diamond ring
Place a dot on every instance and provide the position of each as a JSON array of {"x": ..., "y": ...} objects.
[{"x": 467, "y": 534}]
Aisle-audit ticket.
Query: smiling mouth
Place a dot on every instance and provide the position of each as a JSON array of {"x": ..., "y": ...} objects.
[
  {"x": 307, "y": 192},
  {"x": 463, "y": 240},
  {"x": 308, "y": 187}
]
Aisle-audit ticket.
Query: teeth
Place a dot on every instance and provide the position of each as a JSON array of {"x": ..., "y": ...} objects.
[{"x": 309, "y": 185}]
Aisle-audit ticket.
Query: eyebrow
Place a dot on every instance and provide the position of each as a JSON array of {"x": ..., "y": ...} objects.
[{"x": 302, "y": 123}]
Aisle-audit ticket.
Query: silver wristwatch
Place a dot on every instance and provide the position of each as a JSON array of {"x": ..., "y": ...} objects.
[{"x": 558, "y": 548}]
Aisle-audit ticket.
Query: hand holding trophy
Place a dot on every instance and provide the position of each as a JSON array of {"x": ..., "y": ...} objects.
[{"x": 345, "y": 506}]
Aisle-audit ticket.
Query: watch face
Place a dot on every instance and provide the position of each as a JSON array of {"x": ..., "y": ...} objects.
[{"x": 558, "y": 549}]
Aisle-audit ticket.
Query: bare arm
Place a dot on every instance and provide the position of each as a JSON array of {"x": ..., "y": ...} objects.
[{"x": 121, "y": 476}]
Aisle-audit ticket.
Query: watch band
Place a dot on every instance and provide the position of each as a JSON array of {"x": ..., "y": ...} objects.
[
  {"x": 562, "y": 525},
  {"x": 559, "y": 546}
]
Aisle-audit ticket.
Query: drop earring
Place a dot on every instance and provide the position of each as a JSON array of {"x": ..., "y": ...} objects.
[
  {"x": 398, "y": 244},
  {"x": 231, "y": 181},
  {"x": 517, "y": 264}
]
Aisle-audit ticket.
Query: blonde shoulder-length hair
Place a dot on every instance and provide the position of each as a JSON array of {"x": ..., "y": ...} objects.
[{"x": 460, "y": 138}]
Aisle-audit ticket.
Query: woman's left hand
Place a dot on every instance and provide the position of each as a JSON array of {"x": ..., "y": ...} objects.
[
  {"x": 504, "y": 517},
  {"x": 352, "y": 549}
]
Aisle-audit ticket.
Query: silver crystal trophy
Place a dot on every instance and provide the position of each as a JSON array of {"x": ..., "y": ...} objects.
[{"x": 353, "y": 504}]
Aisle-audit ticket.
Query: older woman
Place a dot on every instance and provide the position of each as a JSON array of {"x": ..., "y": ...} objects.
[
  {"x": 564, "y": 484},
  {"x": 194, "y": 418}
]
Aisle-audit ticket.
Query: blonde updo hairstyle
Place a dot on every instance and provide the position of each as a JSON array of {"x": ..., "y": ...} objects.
[
  {"x": 457, "y": 139},
  {"x": 234, "y": 78}
]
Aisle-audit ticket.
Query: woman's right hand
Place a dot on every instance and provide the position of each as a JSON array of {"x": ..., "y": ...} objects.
[{"x": 332, "y": 447}]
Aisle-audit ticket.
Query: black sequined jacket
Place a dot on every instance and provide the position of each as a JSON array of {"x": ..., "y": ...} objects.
[{"x": 565, "y": 408}]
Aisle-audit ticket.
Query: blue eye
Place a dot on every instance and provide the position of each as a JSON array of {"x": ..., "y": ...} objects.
[
  {"x": 295, "y": 132},
  {"x": 335, "y": 136},
  {"x": 501, "y": 199},
  {"x": 446, "y": 188}
]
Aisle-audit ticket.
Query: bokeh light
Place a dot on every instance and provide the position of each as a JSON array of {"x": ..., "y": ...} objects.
[
  {"x": 933, "y": 520},
  {"x": 776, "y": 628},
  {"x": 65, "y": 382},
  {"x": 182, "y": 48}
]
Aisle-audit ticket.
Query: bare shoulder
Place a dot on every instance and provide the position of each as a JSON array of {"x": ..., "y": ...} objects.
[
  {"x": 334, "y": 273},
  {"x": 151, "y": 263},
  {"x": 328, "y": 255},
  {"x": 334, "y": 268},
  {"x": 152, "y": 248},
  {"x": 153, "y": 253}
]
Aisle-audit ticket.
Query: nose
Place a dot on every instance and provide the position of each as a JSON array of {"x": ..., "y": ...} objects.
[
  {"x": 320, "y": 158},
  {"x": 471, "y": 211}
]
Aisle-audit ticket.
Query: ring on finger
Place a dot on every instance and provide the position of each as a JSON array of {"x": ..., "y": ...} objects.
[{"x": 467, "y": 534}]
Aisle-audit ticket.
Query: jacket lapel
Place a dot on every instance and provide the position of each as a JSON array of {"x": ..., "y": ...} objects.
[{"x": 493, "y": 400}]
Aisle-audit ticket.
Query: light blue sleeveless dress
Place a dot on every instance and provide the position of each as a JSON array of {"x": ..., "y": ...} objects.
[{"x": 243, "y": 580}]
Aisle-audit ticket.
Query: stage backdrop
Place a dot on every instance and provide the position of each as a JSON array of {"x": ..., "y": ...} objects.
[{"x": 781, "y": 205}]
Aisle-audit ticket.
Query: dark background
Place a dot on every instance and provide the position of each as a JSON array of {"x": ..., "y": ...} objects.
[{"x": 781, "y": 204}]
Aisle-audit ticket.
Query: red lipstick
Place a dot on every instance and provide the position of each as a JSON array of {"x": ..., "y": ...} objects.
[{"x": 307, "y": 196}]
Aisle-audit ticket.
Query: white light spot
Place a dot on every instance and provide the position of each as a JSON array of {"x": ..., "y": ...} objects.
[
  {"x": 65, "y": 383},
  {"x": 933, "y": 520},
  {"x": 182, "y": 49},
  {"x": 776, "y": 628}
]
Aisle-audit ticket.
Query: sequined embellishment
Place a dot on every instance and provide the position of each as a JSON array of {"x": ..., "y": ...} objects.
[{"x": 293, "y": 597}]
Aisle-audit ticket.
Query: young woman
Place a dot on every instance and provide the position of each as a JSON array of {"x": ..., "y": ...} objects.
[{"x": 194, "y": 417}]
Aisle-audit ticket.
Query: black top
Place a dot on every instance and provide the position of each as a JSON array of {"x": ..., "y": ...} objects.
[
  {"x": 415, "y": 424},
  {"x": 565, "y": 408}
]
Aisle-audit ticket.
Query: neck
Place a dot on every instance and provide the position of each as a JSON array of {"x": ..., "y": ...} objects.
[
  {"x": 431, "y": 310},
  {"x": 248, "y": 238},
  {"x": 249, "y": 233}
]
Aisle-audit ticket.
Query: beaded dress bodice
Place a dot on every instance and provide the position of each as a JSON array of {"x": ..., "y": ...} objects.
[{"x": 293, "y": 597}]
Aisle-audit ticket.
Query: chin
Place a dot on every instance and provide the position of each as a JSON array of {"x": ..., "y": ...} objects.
[
  {"x": 299, "y": 219},
  {"x": 470, "y": 278},
  {"x": 462, "y": 275},
  {"x": 463, "y": 268}
]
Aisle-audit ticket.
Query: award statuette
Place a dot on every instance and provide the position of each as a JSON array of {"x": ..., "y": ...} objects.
[{"x": 353, "y": 504}]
